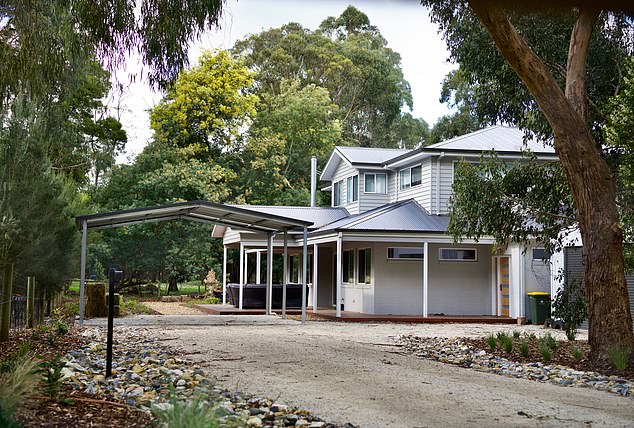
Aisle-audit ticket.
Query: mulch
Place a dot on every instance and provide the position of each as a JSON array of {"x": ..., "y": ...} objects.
[
  {"x": 86, "y": 410},
  {"x": 562, "y": 356}
]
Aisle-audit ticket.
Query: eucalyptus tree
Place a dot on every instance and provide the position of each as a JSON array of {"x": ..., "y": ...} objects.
[{"x": 556, "y": 82}]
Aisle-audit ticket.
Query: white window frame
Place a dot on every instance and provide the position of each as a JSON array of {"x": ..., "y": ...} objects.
[
  {"x": 405, "y": 259},
  {"x": 443, "y": 259},
  {"x": 374, "y": 179},
  {"x": 337, "y": 190},
  {"x": 352, "y": 191},
  {"x": 406, "y": 183}
]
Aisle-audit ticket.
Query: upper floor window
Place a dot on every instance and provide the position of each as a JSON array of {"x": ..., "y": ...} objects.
[
  {"x": 410, "y": 177},
  {"x": 336, "y": 193},
  {"x": 352, "y": 194},
  {"x": 375, "y": 183}
]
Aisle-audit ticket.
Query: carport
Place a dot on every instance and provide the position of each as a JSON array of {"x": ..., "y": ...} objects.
[{"x": 237, "y": 218}]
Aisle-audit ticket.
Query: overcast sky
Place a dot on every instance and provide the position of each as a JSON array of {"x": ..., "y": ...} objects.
[{"x": 404, "y": 24}]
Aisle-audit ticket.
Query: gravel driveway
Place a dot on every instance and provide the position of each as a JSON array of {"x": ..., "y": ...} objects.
[{"x": 350, "y": 372}]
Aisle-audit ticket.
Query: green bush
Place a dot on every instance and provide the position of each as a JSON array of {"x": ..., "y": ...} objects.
[
  {"x": 187, "y": 414},
  {"x": 524, "y": 349},
  {"x": 549, "y": 341},
  {"x": 492, "y": 341},
  {"x": 516, "y": 334},
  {"x": 131, "y": 306},
  {"x": 16, "y": 385},
  {"x": 545, "y": 351},
  {"x": 52, "y": 377},
  {"x": 620, "y": 357},
  {"x": 570, "y": 306},
  {"x": 576, "y": 354}
]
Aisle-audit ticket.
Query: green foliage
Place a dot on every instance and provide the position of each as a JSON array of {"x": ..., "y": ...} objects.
[
  {"x": 507, "y": 344},
  {"x": 8, "y": 364},
  {"x": 545, "y": 351},
  {"x": 492, "y": 341},
  {"x": 570, "y": 305},
  {"x": 187, "y": 414},
  {"x": 518, "y": 201},
  {"x": 524, "y": 349},
  {"x": 52, "y": 377},
  {"x": 131, "y": 306},
  {"x": 549, "y": 341},
  {"x": 576, "y": 353},
  {"x": 516, "y": 334},
  {"x": 16, "y": 385},
  {"x": 620, "y": 357},
  {"x": 350, "y": 59}
]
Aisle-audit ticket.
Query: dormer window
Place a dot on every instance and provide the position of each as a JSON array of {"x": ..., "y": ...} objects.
[
  {"x": 375, "y": 183},
  {"x": 410, "y": 177},
  {"x": 352, "y": 194}
]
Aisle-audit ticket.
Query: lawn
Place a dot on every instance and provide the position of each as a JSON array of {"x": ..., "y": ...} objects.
[{"x": 183, "y": 288}]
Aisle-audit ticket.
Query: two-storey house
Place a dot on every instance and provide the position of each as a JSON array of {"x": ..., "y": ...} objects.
[{"x": 383, "y": 248}]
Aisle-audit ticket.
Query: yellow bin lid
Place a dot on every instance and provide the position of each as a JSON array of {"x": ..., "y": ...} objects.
[{"x": 538, "y": 293}]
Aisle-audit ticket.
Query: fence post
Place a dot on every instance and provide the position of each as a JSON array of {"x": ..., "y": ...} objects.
[
  {"x": 5, "y": 305},
  {"x": 30, "y": 301}
]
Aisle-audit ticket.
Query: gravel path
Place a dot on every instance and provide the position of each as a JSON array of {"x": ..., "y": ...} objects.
[
  {"x": 172, "y": 308},
  {"x": 353, "y": 372}
]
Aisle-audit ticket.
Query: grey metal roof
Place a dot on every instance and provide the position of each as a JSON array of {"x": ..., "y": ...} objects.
[
  {"x": 201, "y": 211},
  {"x": 318, "y": 216},
  {"x": 402, "y": 216},
  {"x": 498, "y": 138},
  {"x": 369, "y": 155}
]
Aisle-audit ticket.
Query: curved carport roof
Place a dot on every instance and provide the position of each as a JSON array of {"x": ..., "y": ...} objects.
[{"x": 200, "y": 211}]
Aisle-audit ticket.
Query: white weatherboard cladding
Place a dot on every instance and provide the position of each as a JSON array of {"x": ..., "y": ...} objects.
[
  {"x": 446, "y": 183},
  {"x": 392, "y": 182},
  {"x": 460, "y": 287},
  {"x": 420, "y": 193},
  {"x": 342, "y": 172},
  {"x": 398, "y": 284},
  {"x": 368, "y": 201}
]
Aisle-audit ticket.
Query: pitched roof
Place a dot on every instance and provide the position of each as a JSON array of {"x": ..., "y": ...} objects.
[
  {"x": 359, "y": 157},
  {"x": 402, "y": 216},
  {"x": 498, "y": 138},
  {"x": 319, "y": 216}
]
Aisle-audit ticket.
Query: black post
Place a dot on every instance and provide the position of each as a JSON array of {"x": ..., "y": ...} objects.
[
  {"x": 110, "y": 323},
  {"x": 114, "y": 276}
]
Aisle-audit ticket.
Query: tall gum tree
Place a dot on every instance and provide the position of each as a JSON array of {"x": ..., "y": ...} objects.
[{"x": 589, "y": 177}]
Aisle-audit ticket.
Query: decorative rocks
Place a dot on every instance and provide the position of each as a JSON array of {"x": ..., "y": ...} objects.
[
  {"x": 148, "y": 376},
  {"x": 454, "y": 351}
]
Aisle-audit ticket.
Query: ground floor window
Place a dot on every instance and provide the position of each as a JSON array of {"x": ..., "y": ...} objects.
[
  {"x": 364, "y": 271},
  {"x": 348, "y": 266},
  {"x": 405, "y": 253},
  {"x": 293, "y": 269},
  {"x": 458, "y": 254}
]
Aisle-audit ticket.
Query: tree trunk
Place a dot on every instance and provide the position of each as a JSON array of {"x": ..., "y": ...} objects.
[
  {"x": 5, "y": 302},
  {"x": 593, "y": 189},
  {"x": 173, "y": 286}
]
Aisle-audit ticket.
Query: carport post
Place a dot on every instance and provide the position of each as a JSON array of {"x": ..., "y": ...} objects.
[
  {"x": 315, "y": 264},
  {"x": 304, "y": 266},
  {"x": 258, "y": 266},
  {"x": 241, "y": 276},
  {"x": 224, "y": 275},
  {"x": 82, "y": 281},
  {"x": 339, "y": 276},
  {"x": 285, "y": 275},
  {"x": 269, "y": 272}
]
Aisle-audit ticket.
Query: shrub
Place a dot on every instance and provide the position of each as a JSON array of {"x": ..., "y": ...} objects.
[
  {"x": 524, "y": 349},
  {"x": 508, "y": 345},
  {"x": 516, "y": 334},
  {"x": 492, "y": 341},
  {"x": 52, "y": 377},
  {"x": 576, "y": 354},
  {"x": 570, "y": 306},
  {"x": 130, "y": 306},
  {"x": 549, "y": 341},
  {"x": 620, "y": 357},
  {"x": 16, "y": 385},
  {"x": 545, "y": 351},
  {"x": 186, "y": 414}
]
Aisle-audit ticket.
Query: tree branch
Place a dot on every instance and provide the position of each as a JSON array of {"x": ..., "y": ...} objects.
[{"x": 577, "y": 58}]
